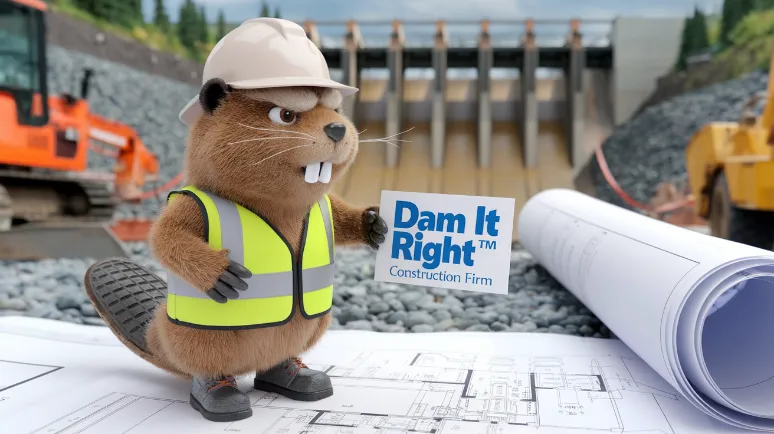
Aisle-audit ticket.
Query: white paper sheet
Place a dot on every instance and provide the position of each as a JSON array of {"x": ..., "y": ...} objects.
[
  {"x": 449, "y": 383},
  {"x": 654, "y": 285}
]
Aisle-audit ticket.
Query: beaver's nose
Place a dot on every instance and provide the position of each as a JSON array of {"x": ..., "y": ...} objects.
[{"x": 335, "y": 131}]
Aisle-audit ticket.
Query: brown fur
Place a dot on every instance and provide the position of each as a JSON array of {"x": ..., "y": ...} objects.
[{"x": 228, "y": 155}]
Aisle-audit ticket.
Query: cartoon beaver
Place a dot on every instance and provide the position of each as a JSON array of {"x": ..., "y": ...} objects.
[{"x": 248, "y": 245}]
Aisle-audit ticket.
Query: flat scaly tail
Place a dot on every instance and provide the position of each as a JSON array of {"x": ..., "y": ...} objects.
[{"x": 126, "y": 296}]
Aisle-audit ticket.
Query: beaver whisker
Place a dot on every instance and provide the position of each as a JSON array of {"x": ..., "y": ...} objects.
[
  {"x": 383, "y": 141},
  {"x": 285, "y": 150},
  {"x": 388, "y": 137},
  {"x": 266, "y": 138},
  {"x": 277, "y": 130},
  {"x": 361, "y": 132}
]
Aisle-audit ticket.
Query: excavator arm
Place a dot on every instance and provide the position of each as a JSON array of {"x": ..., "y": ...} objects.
[{"x": 135, "y": 164}]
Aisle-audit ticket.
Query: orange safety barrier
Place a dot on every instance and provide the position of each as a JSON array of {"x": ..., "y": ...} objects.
[{"x": 130, "y": 230}]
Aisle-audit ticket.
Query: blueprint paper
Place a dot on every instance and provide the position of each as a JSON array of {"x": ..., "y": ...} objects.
[
  {"x": 698, "y": 310},
  {"x": 435, "y": 383}
]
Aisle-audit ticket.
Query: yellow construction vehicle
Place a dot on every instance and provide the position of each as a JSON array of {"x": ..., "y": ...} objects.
[{"x": 731, "y": 171}]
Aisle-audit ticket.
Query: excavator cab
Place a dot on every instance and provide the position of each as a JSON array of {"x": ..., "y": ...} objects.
[{"x": 23, "y": 62}]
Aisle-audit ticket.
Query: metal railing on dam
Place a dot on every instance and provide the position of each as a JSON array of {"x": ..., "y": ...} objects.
[{"x": 568, "y": 53}]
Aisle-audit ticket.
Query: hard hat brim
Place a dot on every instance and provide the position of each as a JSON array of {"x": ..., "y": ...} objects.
[{"x": 193, "y": 109}]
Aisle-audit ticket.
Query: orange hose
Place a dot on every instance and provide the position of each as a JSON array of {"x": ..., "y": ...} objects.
[
  {"x": 663, "y": 209},
  {"x": 172, "y": 183}
]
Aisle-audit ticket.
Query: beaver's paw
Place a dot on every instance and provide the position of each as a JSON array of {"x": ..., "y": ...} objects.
[
  {"x": 374, "y": 227},
  {"x": 229, "y": 282}
]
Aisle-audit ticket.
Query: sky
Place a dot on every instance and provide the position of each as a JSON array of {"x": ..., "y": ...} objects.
[
  {"x": 237, "y": 11},
  {"x": 240, "y": 10}
]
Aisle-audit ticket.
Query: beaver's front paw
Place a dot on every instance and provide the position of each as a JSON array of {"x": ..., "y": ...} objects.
[
  {"x": 374, "y": 227},
  {"x": 231, "y": 280}
]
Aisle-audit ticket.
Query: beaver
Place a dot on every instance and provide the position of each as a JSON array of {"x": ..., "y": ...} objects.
[{"x": 272, "y": 153}]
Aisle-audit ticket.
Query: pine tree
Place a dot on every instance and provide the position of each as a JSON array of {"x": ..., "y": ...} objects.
[
  {"x": 221, "y": 26},
  {"x": 747, "y": 6},
  {"x": 685, "y": 43},
  {"x": 765, "y": 4},
  {"x": 265, "y": 10},
  {"x": 204, "y": 27},
  {"x": 727, "y": 20},
  {"x": 85, "y": 5},
  {"x": 699, "y": 35},
  {"x": 277, "y": 12},
  {"x": 695, "y": 38},
  {"x": 187, "y": 27},
  {"x": 102, "y": 9},
  {"x": 160, "y": 17},
  {"x": 135, "y": 10},
  {"x": 118, "y": 12}
]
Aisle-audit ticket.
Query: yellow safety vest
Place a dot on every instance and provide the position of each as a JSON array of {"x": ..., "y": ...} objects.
[{"x": 278, "y": 278}]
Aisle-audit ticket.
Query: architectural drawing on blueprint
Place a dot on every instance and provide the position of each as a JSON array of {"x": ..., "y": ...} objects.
[
  {"x": 397, "y": 392},
  {"x": 13, "y": 374}
]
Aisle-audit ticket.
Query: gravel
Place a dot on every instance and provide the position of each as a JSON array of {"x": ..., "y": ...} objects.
[
  {"x": 650, "y": 148},
  {"x": 150, "y": 104},
  {"x": 535, "y": 302}
]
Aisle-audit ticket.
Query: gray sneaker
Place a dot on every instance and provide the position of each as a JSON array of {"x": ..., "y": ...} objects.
[
  {"x": 295, "y": 380},
  {"x": 220, "y": 400}
]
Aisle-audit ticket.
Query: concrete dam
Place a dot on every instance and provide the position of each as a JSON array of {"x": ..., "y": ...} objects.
[{"x": 489, "y": 117}]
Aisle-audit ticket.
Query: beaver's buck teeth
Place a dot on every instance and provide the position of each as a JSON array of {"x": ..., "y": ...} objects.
[
  {"x": 312, "y": 173},
  {"x": 325, "y": 172},
  {"x": 318, "y": 172}
]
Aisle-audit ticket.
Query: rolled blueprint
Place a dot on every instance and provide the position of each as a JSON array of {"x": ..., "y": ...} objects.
[{"x": 698, "y": 309}]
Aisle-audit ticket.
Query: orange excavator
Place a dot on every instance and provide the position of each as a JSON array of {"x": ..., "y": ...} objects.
[{"x": 51, "y": 204}]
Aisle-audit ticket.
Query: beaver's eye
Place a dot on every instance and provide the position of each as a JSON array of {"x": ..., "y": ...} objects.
[{"x": 282, "y": 116}]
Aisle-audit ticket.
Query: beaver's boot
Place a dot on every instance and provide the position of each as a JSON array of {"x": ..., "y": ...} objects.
[
  {"x": 295, "y": 380},
  {"x": 220, "y": 400}
]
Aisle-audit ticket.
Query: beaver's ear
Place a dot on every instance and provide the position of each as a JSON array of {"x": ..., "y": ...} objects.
[{"x": 212, "y": 93}]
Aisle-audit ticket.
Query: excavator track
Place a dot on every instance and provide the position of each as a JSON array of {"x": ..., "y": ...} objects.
[
  {"x": 56, "y": 215},
  {"x": 40, "y": 197}
]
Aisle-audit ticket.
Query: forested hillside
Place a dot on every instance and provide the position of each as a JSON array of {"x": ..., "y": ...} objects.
[
  {"x": 192, "y": 36},
  {"x": 716, "y": 48},
  {"x": 743, "y": 25}
]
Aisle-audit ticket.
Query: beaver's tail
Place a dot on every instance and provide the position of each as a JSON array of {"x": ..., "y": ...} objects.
[{"x": 126, "y": 296}]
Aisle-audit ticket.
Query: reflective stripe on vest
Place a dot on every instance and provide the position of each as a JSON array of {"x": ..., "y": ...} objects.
[{"x": 278, "y": 278}]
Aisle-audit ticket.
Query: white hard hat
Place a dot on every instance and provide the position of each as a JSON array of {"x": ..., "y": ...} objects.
[{"x": 264, "y": 53}]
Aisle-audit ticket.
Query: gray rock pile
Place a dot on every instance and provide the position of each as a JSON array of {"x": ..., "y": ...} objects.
[{"x": 650, "y": 148}]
